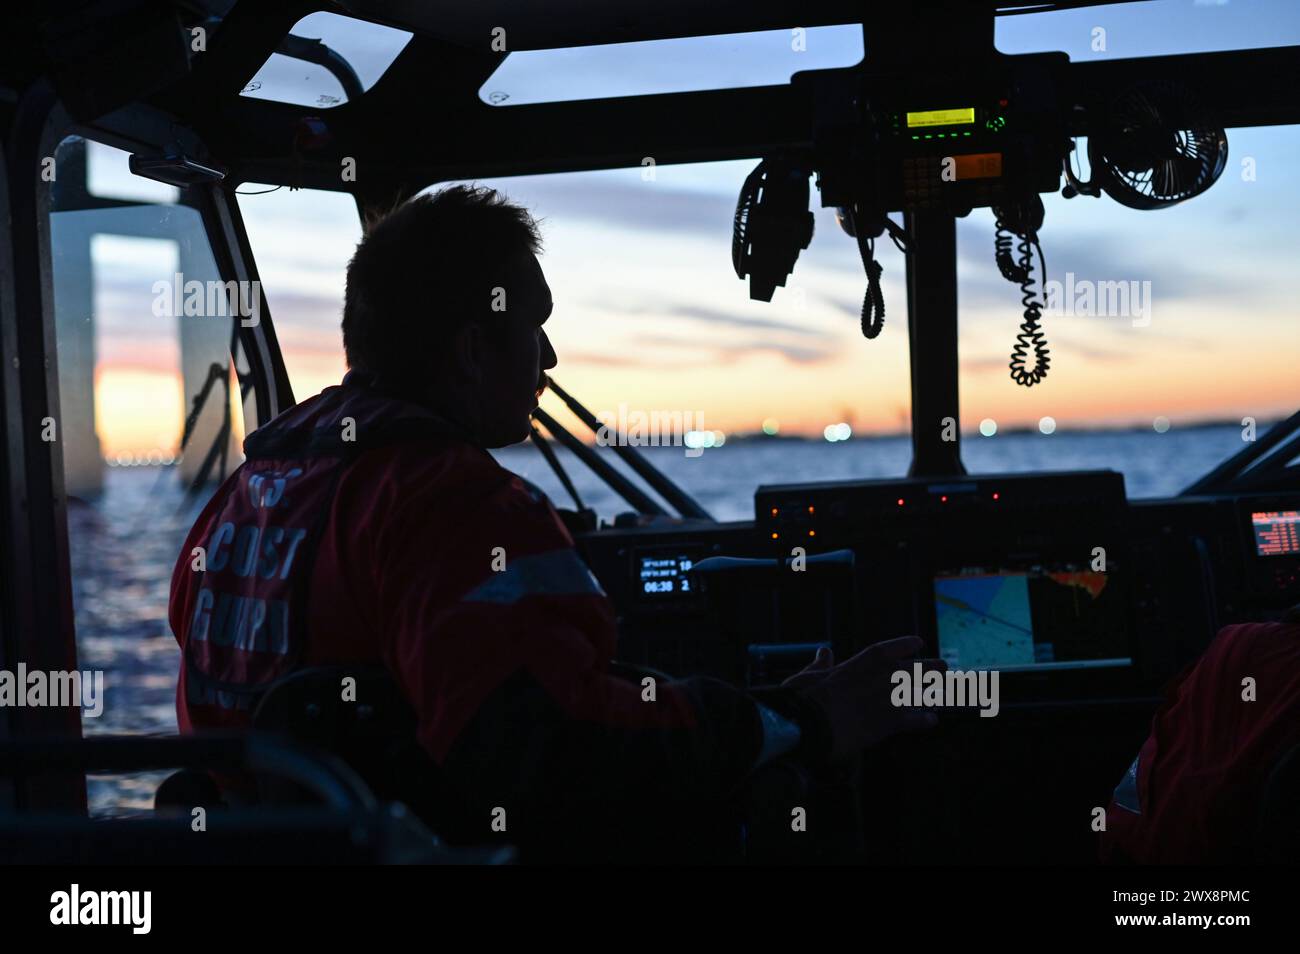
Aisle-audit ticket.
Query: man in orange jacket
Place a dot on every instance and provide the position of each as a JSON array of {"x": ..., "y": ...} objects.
[
  {"x": 1195, "y": 792},
  {"x": 369, "y": 524}
]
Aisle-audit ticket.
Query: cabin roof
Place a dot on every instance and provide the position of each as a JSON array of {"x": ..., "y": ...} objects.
[{"x": 423, "y": 121}]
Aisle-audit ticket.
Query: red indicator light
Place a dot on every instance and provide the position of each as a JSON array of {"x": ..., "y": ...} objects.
[
  {"x": 943, "y": 499},
  {"x": 1002, "y": 102},
  {"x": 900, "y": 501},
  {"x": 812, "y": 510},
  {"x": 775, "y": 511},
  {"x": 995, "y": 496}
]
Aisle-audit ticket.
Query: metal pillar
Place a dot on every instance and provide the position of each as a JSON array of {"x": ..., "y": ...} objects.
[{"x": 932, "y": 339}]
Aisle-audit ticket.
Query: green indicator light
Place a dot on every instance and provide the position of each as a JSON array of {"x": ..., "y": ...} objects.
[
  {"x": 929, "y": 136},
  {"x": 967, "y": 133},
  {"x": 916, "y": 137}
]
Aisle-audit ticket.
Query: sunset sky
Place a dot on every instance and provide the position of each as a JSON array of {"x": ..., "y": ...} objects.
[{"x": 648, "y": 311}]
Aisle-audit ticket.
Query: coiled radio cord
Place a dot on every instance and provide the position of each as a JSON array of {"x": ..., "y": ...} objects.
[
  {"x": 1031, "y": 336},
  {"x": 873, "y": 301},
  {"x": 866, "y": 229}
]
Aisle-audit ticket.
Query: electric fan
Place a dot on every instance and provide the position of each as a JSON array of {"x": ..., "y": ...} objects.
[{"x": 1155, "y": 146}]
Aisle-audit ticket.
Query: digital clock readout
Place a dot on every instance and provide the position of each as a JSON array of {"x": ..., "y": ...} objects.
[{"x": 665, "y": 575}]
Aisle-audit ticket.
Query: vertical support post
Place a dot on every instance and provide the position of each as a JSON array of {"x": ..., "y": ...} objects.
[{"x": 932, "y": 340}]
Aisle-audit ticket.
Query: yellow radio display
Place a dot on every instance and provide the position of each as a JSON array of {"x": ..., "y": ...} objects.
[{"x": 941, "y": 117}]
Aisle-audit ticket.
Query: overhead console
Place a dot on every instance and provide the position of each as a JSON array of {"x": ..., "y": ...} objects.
[{"x": 958, "y": 136}]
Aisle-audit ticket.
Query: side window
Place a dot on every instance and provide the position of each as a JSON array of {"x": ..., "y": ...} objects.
[
  {"x": 151, "y": 419},
  {"x": 303, "y": 279}
]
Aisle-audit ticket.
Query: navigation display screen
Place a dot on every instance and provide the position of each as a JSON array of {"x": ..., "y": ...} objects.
[
  {"x": 665, "y": 574},
  {"x": 1277, "y": 532},
  {"x": 1035, "y": 618}
]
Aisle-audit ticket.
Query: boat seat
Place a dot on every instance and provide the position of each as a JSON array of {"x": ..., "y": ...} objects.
[
  {"x": 188, "y": 789},
  {"x": 370, "y": 727},
  {"x": 344, "y": 825},
  {"x": 375, "y": 736}
]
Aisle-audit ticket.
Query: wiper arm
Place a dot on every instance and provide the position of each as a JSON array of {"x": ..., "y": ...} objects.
[
  {"x": 540, "y": 441},
  {"x": 629, "y": 491},
  {"x": 658, "y": 481}
]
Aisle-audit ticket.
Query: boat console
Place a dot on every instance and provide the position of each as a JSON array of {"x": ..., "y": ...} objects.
[{"x": 1055, "y": 579}]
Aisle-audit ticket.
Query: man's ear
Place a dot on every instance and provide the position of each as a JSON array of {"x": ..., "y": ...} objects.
[{"x": 467, "y": 347}]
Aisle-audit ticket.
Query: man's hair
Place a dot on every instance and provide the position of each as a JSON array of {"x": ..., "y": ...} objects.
[{"x": 425, "y": 270}]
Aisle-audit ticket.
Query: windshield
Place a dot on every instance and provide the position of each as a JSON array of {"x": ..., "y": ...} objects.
[{"x": 651, "y": 320}]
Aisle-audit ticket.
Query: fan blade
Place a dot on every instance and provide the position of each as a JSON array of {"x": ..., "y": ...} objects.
[{"x": 1167, "y": 178}]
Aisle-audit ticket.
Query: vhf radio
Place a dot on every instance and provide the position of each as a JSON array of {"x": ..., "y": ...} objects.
[{"x": 963, "y": 136}]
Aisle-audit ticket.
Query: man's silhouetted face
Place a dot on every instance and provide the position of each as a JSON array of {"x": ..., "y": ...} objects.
[{"x": 503, "y": 357}]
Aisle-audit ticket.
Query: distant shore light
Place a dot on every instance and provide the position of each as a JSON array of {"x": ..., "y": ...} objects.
[
  {"x": 1161, "y": 424},
  {"x": 988, "y": 427},
  {"x": 1047, "y": 425},
  {"x": 771, "y": 426}
]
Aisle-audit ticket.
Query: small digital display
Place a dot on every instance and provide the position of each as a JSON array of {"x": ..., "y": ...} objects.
[
  {"x": 1277, "y": 532},
  {"x": 666, "y": 575},
  {"x": 1029, "y": 619},
  {"x": 941, "y": 117},
  {"x": 981, "y": 165}
]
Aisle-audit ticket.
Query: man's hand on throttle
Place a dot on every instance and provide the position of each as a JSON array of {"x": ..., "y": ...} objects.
[{"x": 855, "y": 695}]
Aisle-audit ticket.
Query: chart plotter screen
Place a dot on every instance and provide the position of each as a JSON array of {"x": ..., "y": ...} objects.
[{"x": 1037, "y": 618}]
